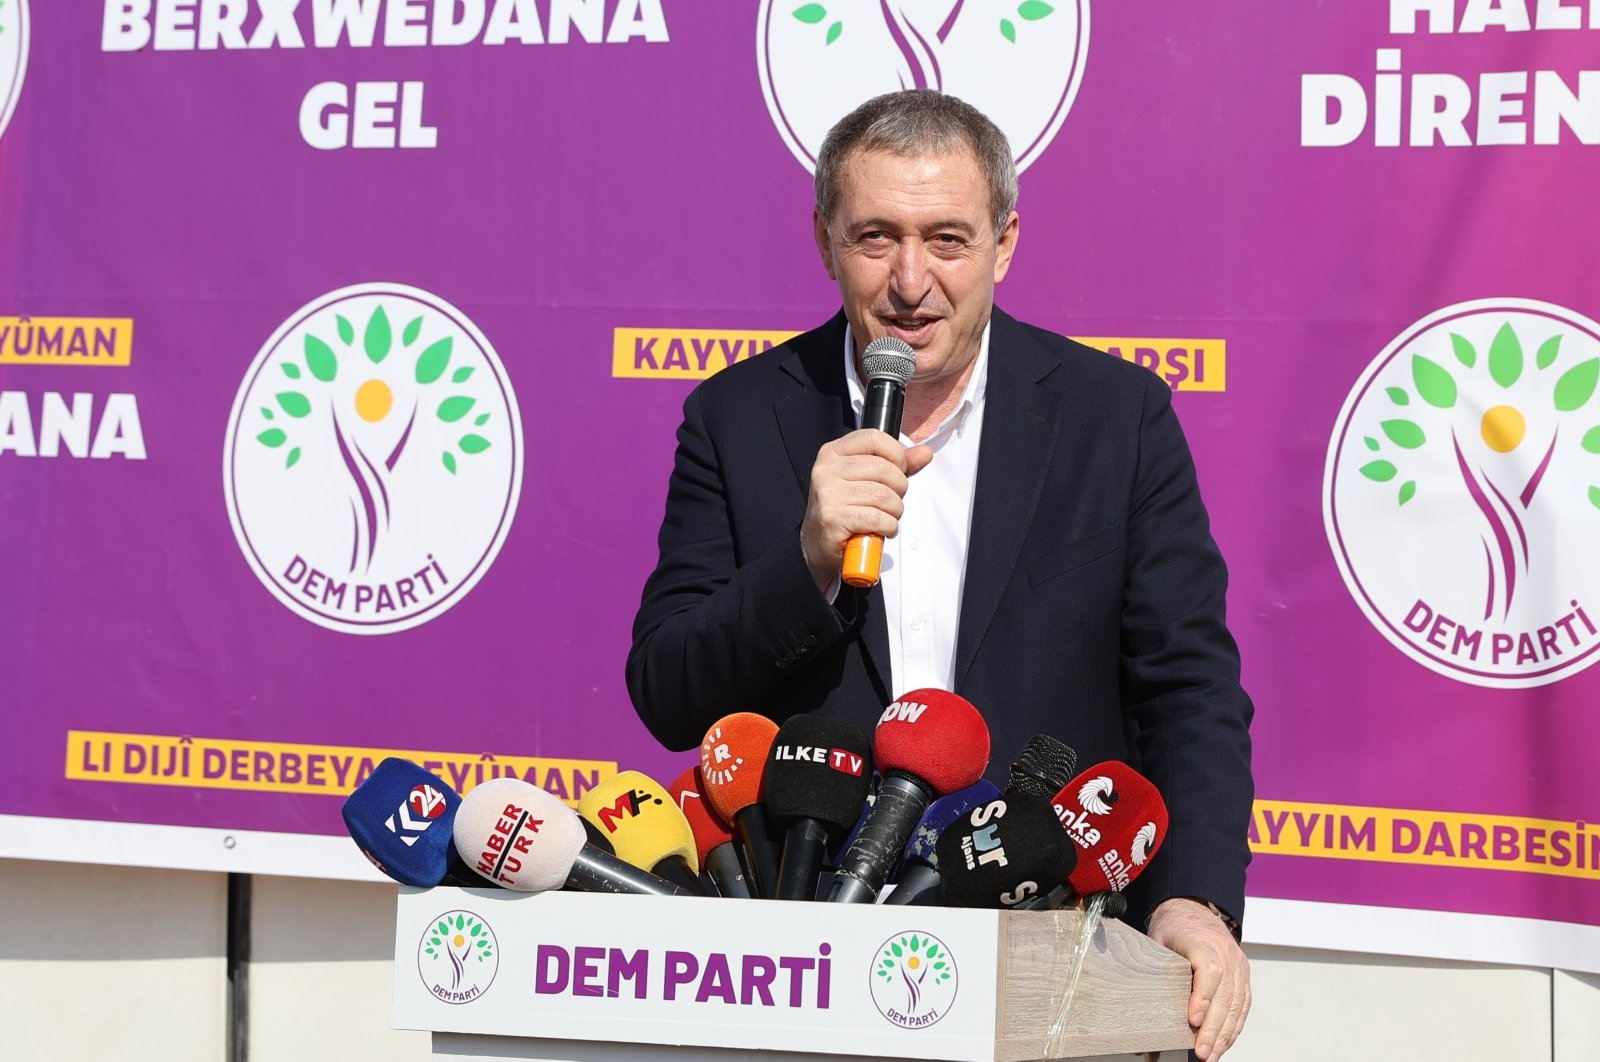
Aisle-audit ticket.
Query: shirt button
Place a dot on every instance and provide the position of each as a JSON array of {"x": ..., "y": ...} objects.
[
  {"x": 916, "y": 624},
  {"x": 914, "y": 542}
]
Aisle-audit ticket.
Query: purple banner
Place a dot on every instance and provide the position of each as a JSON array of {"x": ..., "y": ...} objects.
[{"x": 342, "y": 346}]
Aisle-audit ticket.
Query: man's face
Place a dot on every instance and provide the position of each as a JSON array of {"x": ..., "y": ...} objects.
[{"x": 913, "y": 248}]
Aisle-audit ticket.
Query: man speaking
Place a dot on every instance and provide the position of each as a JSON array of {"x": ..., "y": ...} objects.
[{"x": 1047, "y": 555}]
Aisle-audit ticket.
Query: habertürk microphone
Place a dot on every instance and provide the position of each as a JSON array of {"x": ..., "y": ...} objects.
[{"x": 888, "y": 364}]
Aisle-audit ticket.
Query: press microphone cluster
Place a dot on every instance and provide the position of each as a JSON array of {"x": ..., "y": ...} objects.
[{"x": 769, "y": 810}]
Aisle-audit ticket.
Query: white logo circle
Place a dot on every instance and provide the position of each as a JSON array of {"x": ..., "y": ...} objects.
[
  {"x": 373, "y": 459},
  {"x": 1461, "y": 493},
  {"x": 13, "y": 56},
  {"x": 819, "y": 61},
  {"x": 913, "y": 979},
  {"x": 458, "y": 957}
]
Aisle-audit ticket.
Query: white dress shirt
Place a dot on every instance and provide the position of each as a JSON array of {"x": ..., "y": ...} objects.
[{"x": 925, "y": 566}]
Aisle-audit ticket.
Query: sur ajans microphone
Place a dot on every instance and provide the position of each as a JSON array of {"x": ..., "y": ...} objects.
[
  {"x": 929, "y": 743},
  {"x": 1003, "y": 853},
  {"x": 888, "y": 365}
]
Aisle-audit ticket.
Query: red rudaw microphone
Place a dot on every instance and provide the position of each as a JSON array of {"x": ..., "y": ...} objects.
[
  {"x": 712, "y": 839},
  {"x": 1116, "y": 819},
  {"x": 517, "y": 835},
  {"x": 928, "y": 744},
  {"x": 733, "y": 758}
]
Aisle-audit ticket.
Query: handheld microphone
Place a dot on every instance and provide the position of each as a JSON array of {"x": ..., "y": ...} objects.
[
  {"x": 1043, "y": 768},
  {"x": 1003, "y": 853},
  {"x": 712, "y": 839},
  {"x": 733, "y": 758},
  {"x": 517, "y": 835},
  {"x": 642, "y": 824},
  {"x": 818, "y": 773},
  {"x": 919, "y": 863},
  {"x": 1116, "y": 819},
  {"x": 928, "y": 743},
  {"x": 401, "y": 818},
  {"x": 888, "y": 365}
]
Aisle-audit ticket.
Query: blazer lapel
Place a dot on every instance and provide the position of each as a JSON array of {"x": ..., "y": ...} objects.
[
  {"x": 1021, "y": 422},
  {"x": 811, "y": 415}
]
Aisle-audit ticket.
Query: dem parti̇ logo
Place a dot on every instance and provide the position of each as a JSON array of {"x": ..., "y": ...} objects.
[
  {"x": 13, "y": 55},
  {"x": 818, "y": 61},
  {"x": 373, "y": 459},
  {"x": 1462, "y": 492},
  {"x": 458, "y": 957},
  {"x": 913, "y": 980}
]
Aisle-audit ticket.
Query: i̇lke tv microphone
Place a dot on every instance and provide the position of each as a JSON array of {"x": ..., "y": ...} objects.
[
  {"x": 1116, "y": 819},
  {"x": 713, "y": 839},
  {"x": 1003, "y": 853},
  {"x": 888, "y": 364},
  {"x": 1044, "y": 766},
  {"x": 733, "y": 761},
  {"x": 517, "y": 835},
  {"x": 401, "y": 818},
  {"x": 818, "y": 773},
  {"x": 919, "y": 863},
  {"x": 642, "y": 824},
  {"x": 929, "y": 743}
]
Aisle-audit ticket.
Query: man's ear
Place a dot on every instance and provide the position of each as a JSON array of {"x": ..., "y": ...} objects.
[
  {"x": 1006, "y": 246},
  {"x": 819, "y": 230}
]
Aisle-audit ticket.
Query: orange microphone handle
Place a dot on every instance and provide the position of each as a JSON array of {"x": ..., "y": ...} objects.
[{"x": 863, "y": 555}]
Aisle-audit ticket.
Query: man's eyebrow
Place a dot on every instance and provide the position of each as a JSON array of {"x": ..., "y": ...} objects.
[{"x": 944, "y": 225}]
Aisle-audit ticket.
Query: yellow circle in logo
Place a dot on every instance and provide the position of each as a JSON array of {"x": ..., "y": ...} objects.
[
  {"x": 1503, "y": 428},
  {"x": 373, "y": 401}
]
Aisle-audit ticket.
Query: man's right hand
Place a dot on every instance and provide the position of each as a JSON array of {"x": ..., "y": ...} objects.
[{"x": 858, "y": 486}]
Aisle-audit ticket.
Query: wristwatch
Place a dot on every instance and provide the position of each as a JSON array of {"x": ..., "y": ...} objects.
[{"x": 1227, "y": 919}]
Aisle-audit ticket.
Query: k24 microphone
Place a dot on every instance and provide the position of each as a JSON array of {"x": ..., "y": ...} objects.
[
  {"x": 401, "y": 818},
  {"x": 888, "y": 364}
]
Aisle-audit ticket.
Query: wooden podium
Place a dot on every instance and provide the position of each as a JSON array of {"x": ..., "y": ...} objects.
[{"x": 573, "y": 976}]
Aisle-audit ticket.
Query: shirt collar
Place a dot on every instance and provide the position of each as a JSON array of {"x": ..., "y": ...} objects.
[{"x": 971, "y": 396}]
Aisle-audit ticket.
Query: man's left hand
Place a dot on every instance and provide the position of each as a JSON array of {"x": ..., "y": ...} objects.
[{"x": 1220, "y": 999}]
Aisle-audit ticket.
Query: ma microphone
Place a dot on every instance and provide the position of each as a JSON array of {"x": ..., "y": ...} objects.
[
  {"x": 517, "y": 835},
  {"x": 642, "y": 824},
  {"x": 1003, "y": 853},
  {"x": 1043, "y": 768},
  {"x": 401, "y": 818},
  {"x": 733, "y": 758},
  {"x": 1116, "y": 819},
  {"x": 818, "y": 773},
  {"x": 712, "y": 839},
  {"x": 919, "y": 863},
  {"x": 928, "y": 743},
  {"x": 888, "y": 364}
]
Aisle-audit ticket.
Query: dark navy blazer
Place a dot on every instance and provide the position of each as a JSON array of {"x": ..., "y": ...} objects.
[{"x": 1093, "y": 607}]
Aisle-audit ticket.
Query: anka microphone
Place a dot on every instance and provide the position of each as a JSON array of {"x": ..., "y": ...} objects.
[
  {"x": 818, "y": 773},
  {"x": 1044, "y": 766},
  {"x": 1003, "y": 853},
  {"x": 517, "y": 835},
  {"x": 888, "y": 365},
  {"x": 918, "y": 874},
  {"x": 1116, "y": 819},
  {"x": 642, "y": 824},
  {"x": 401, "y": 818},
  {"x": 713, "y": 840},
  {"x": 733, "y": 759},
  {"x": 928, "y": 743}
]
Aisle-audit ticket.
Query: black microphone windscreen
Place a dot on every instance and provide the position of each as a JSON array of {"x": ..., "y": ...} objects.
[
  {"x": 1003, "y": 853},
  {"x": 1044, "y": 766},
  {"x": 819, "y": 769}
]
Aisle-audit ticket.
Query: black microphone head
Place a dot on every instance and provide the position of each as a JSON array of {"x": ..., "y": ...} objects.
[
  {"x": 1116, "y": 905},
  {"x": 1043, "y": 768},
  {"x": 889, "y": 358},
  {"x": 1003, "y": 852},
  {"x": 819, "y": 769}
]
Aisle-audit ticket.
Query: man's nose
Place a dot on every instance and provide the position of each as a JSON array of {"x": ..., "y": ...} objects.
[{"x": 908, "y": 273}]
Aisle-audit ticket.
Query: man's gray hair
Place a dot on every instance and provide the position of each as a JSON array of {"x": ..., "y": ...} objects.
[{"x": 919, "y": 122}]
